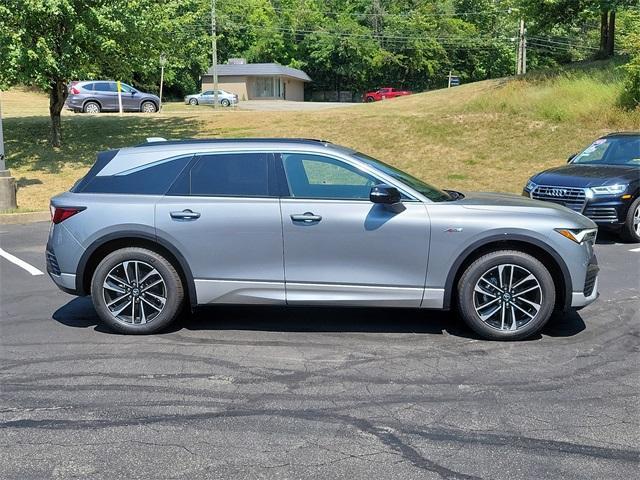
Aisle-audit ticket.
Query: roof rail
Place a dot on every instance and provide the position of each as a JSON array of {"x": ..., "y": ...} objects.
[{"x": 159, "y": 140}]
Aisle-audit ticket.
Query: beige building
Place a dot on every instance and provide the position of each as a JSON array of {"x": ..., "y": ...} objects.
[{"x": 259, "y": 81}]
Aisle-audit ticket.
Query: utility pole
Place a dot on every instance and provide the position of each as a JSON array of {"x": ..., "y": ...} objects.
[
  {"x": 214, "y": 54},
  {"x": 163, "y": 60},
  {"x": 7, "y": 182},
  {"x": 521, "y": 61}
]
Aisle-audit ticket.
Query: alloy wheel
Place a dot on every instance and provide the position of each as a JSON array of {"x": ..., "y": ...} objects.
[
  {"x": 92, "y": 108},
  {"x": 636, "y": 220},
  {"x": 148, "y": 107},
  {"x": 507, "y": 297},
  {"x": 134, "y": 292}
]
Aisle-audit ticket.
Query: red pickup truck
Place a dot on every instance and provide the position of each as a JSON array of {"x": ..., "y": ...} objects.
[{"x": 383, "y": 94}]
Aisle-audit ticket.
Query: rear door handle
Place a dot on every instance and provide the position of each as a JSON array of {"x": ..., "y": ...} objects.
[
  {"x": 185, "y": 215},
  {"x": 306, "y": 217}
]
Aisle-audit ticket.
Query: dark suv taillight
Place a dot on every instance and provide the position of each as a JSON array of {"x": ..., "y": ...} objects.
[
  {"x": 60, "y": 214},
  {"x": 74, "y": 91}
]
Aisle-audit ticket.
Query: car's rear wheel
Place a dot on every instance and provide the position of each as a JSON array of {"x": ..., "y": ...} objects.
[
  {"x": 506, "y": 295},
  {"x": 148, "y": 107},
  {"x": 193, "y": 101},
  {"x": 225, "y": 102},
  {"x": 91, "y": 107},
  {"x": 136, "y": 291},
  {"x": 631, "y": 228}
]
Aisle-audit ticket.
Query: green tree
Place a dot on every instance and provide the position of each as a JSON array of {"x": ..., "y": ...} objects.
[{"x": 49, "y": 43}]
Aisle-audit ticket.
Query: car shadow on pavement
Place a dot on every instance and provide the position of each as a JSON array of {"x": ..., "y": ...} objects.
[{"x": 79, "y": 313}]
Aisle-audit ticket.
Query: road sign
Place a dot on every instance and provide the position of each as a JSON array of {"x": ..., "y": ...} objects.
[{"x": 454, "y": 80}]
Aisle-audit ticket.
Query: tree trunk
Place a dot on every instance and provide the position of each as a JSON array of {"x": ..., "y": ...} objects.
[
  {"x": 611, "y": 33},
  {"x": 604, "y": 33},
  {"x": 57, "y": 96}
]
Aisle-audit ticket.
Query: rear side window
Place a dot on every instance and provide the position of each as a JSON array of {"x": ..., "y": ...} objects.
[
  {"x": 103, "y": 87},
  {"x": 88, "y": 86},
  {"x": 229, "y": 174},
  {"x": 152, "y": 179}
]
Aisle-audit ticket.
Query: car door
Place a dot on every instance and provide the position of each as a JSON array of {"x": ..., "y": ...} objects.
[
  {"x": 106, "y": 94},
  {"x": 206, "y": 97},
  {"x": 222, "y": 217},
  {"x": 130, "y": 98},
  {"x": 339, "y": 247}
]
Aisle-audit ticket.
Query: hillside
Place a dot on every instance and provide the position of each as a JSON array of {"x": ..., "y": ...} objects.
[{"x": 489, "y": 135}]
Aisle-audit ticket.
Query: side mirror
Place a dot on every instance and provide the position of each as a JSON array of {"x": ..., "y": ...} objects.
[
  {"x": 571, "y": 157},
  {"x": 384, "y": 194}
]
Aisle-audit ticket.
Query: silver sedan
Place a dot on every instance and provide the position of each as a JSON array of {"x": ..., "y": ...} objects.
[{"x": 226, "y": 99}]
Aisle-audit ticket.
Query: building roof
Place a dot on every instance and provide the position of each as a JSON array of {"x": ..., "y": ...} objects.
[{"x": 259, "y": 70}]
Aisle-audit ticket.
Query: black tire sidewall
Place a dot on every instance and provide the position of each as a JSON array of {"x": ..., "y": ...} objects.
[
  {"x": 225, "y": 102},
  {"x": 193, "y": 101},
  {"x": 479, "y": 267},
  {"x": 175, "y": 290},
  {"x": 628, "y": 233}
]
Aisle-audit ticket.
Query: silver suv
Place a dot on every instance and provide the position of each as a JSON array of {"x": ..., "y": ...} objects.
[
  {"x": 171, "y": 224},
  {"x": 97, "y": 96}
]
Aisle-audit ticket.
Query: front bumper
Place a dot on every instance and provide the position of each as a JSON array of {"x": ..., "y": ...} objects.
[
  {"x": 589, "y": 291},
  {"x": 605, "y": 210}
]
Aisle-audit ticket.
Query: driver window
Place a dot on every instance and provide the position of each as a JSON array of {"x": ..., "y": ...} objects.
[{"x": 316, "y": 176}]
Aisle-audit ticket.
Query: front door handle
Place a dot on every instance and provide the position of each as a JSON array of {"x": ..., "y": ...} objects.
[
  {"x": 306, "y": 217},
  {"x": 185, "y": 215}
]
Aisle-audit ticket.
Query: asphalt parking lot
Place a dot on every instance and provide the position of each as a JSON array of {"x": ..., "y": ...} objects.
[{"x": 314, "y": 393}]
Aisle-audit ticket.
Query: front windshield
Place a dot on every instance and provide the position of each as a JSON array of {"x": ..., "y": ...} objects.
[
  {"x": 432, "y": 193},
  {"x": 622, "y": 150}
]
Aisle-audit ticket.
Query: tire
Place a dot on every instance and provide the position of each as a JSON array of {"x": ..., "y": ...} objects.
[
  {"x": 193, "y": 102},
  {"x": 631, "y": 229},
  {"x": 224, "y": 102},
  {"x": 478, "y": 299},
  {"x": 370, "y": 99},
  {"x": 164, "y": 283},
  {"x": 148, "y": 107},
  {"x": 91, "y": 107}
]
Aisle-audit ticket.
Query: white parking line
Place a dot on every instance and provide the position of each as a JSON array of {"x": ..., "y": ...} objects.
[
  {"x": 635, "y": 250},
  {"x": 21, "y": 263}
]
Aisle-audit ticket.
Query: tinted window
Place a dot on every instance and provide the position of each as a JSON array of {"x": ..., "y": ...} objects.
[
  {"x": 237, "y": 174},
  {"x": 88, "y": 86},
  {"x": 315, "y": 176},
  {"x": 152, "y": 179},
  {"x": 102, "y": 87},
  {"x": 208, "y": 92}
]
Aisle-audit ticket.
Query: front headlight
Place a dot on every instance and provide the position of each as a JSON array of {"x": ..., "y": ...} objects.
[
  {"x": 530, "y": 186},
  {"x": 609, "y": 189},
  {"x": 578, "y": 235}
]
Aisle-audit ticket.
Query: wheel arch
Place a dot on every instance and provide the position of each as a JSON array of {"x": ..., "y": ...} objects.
[
  {"x": 536, "y": 248},
  {"x": 112, "y": 242}
]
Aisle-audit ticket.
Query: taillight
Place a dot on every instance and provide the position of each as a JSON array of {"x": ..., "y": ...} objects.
[
  {"x": 60, "y": 214},
  {"x": 74, "y": 91}
]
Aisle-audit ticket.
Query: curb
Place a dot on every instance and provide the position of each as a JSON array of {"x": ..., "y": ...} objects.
[{"x": 29, "y": 217}]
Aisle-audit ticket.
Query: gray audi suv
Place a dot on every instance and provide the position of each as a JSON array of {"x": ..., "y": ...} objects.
[{"x": 168, "y": 225}]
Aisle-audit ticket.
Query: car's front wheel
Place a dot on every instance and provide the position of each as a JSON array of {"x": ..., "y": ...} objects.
[
  {"x": 136, "y": 291},
  {"x": 370, "y": 99},
  {"x": 148, "y": 107},
  {"x": 506, "y": 295},
  {"x": 631, "y": 228},
  {"x": 193, "y": 101},
  {"x": 225, "y": 102}
]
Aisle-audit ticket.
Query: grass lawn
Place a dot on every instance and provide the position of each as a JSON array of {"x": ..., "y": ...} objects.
[{"x": 488, "y": 135}]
